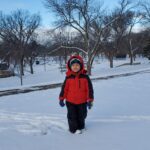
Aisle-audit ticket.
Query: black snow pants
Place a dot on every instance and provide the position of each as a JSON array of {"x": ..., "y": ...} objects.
[{"x": 76, "y": 116}]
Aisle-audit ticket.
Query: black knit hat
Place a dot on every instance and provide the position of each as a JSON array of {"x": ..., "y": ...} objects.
[{"x": 75, "y": 60}]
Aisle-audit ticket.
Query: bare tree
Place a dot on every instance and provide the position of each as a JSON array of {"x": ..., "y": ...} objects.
[
  {"x": 133, "y": 20},
  {"x": 122, "y": 28},
  {"x": 17, "y": 30},
  {"x": 145, "y": 5},
  {"x": 31, "y": 54},
  {"x": 84, "y": 17}
]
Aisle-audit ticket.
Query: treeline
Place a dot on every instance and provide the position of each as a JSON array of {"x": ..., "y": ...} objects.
[{"x": 83, "y": 26}]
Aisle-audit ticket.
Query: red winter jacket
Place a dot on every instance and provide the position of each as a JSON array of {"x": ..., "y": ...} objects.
[{"x": 77, "y": 88}]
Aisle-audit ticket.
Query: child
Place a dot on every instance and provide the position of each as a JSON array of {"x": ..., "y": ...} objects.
[{"x": 77, "y": 90}]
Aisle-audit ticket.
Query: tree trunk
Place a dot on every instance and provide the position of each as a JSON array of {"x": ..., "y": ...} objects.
[
  {"x": 21, "y": 78},
  {"x": 131, "y": 57},
  {"x": 134, "y": 57},
  {"x": 65, "y": 56},
  {"x": 22, "y": 68},
  {"x": 131, "y": 60},
  {"x": 89, "y": 67},
  {"x": 31, "y": 65},
  {"x": 110, "y": 57},
  {"x": 130, "y": 52},
  {"x": 111, "y": 62},
  {"x": 44, "y": 62}
]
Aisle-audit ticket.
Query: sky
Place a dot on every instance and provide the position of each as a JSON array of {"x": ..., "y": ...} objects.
[{"x": 37, "y": 6}]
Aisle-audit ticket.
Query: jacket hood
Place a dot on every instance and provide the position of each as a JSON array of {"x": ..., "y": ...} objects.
[{"x": 69, "y": 71}]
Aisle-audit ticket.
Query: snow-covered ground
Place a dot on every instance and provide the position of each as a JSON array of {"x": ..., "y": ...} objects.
[
  {"x": 53, "y": 75},
  {"x": 119, "y": 120}
]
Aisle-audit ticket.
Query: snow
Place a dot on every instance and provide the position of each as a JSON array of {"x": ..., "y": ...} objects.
[
  {"x": 119, "y": 119},
  {"x": 53, "y": 75},
  {"x": 39, "y": 78}
]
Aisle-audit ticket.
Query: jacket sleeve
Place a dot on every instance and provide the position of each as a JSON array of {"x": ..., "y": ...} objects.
[
  {"x": 90, "y": 90},
  {"x": 64, "y": 90}
]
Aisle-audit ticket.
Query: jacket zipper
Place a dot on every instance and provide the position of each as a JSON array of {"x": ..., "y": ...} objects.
[{"x": 79, "y": 83}]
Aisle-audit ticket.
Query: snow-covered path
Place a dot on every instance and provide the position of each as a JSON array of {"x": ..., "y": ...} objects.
[{"x": 119, "y": 120}]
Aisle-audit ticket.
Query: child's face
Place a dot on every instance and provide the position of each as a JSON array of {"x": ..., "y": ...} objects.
[{"x": 75, "y": 67}]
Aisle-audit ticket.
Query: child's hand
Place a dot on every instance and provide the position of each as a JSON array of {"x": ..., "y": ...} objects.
[
  {"x": 61, "y": 103},
  {"x": 89, "y": 104}
]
